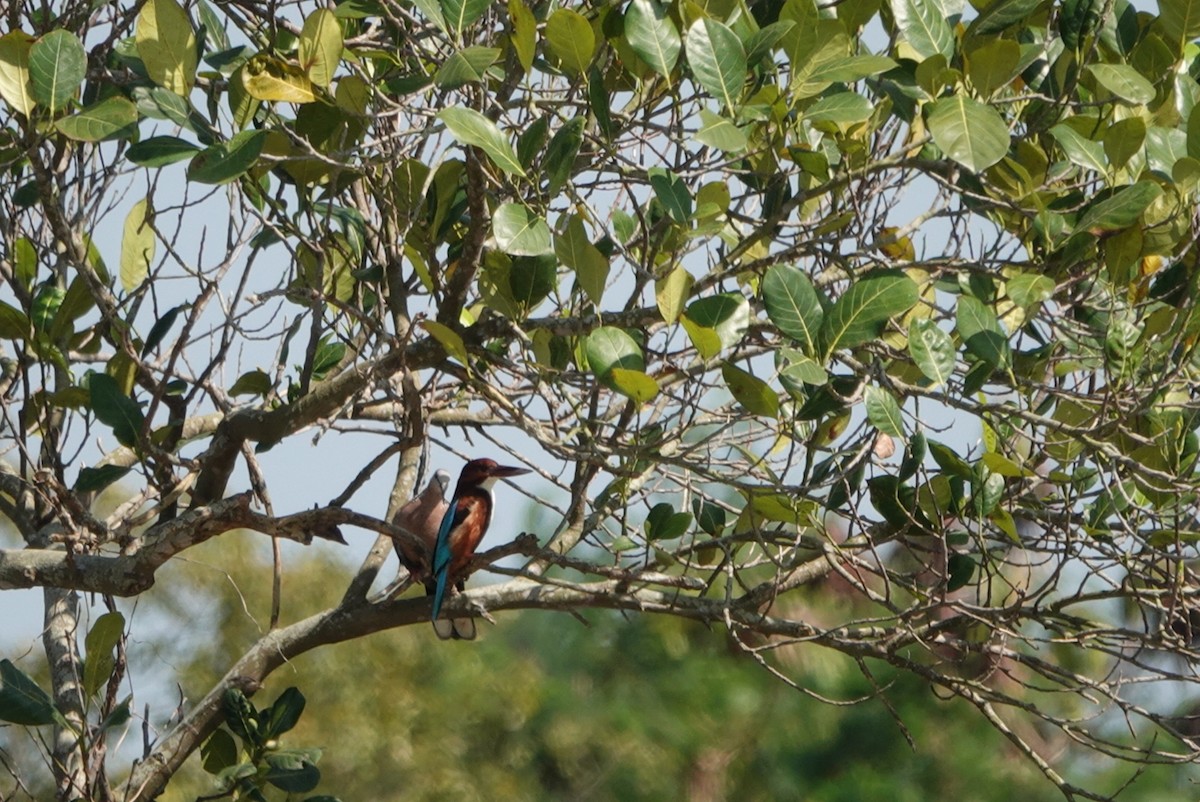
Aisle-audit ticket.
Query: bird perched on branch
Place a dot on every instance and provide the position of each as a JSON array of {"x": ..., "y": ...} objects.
[
  {"x": 463, "y": 526},
  {"x": 422, "y": 516}
]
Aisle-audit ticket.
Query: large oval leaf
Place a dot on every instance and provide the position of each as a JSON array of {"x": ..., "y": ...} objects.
[
  {"x": 924, "y": 27},
  {"x": 520, "y": 232},
  {"x": 15, "y": 86},
  {"x": 166, "y": 44},
  {"x": 458, "y": 14},
  {"x": 717, "y": 322},
  {"x": 932, "y": 349},
  {"x": 860, "y": 314},
  {"x": 793, "y": 306},
  {"x": 57, "y": 64},
  {"x": 114, "y": 118},
  {"x": 137, "y": 246},
  {"x": 972, "y": 134},
  {"x": 267, "y": 78},
  {"x": 470, "y": 127},
  {"x": 609, "y": 347},
  {"x": 718, "y": 60},
  {"x": 570, "y": 38},
  {"x": 653, "y": 36},
  {"x": 320, "y": 46},
  {"x": 227, "y": 161}
]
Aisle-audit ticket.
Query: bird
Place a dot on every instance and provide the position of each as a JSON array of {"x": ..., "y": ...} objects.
[
  {"x": 421, "y": 516},
  {"x": 463, "y": 526}
]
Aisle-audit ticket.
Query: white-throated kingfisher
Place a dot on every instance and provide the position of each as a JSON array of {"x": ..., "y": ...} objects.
[{"x": 463, "y": 526}]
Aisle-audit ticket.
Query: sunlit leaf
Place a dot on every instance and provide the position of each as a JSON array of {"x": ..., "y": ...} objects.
[
  {"x": 137, "y": 246},
  {"x": 1123, "y": 81},
  {"x": 792, "y": 305},
  {"x": 470, "y": 127},
  {"x": 57, "y": 65},
  {"x": 924, "y": 26},
  {"x": 717, "y": 322},
  {"x": 166, "y": 43},
  {"x": 750, "y": 391},
  {"x": 861, "y": 313},
  {"x": 671, "y": 293},
  {"x": 653, "y": 35},
  {"x": 271, "y": 79},
  {"x": 569, "y": 36},
  {"x": 226, "y": 161},
  {"x": 883, "y": 411},
  {"x": 717, "y": 59},
  {"x": 15, "y": 85},
  {"x": 576, "y": 251},
  {"x": 520, "y": 232},
  {"x": 114, "y": 118},
  {"x": 320, "y": 46},
  {"x": 972, "y": 134}
]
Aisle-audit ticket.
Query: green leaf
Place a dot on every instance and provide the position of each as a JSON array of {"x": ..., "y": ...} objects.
[
  {"x": 138, "y": 245},
  {"x": 653, "y": 36},
  {"x": 576, "y": 251},
  {"x": 227, "y": 161},
  {"x": 1123, "y": 81},
  {"x": 671, "y": 293},
  {"x": 570, "y": 38},
  {"x": 328, "y": 356},
  {"x": 292, "y": 771},
  {"x": 924, "y": 26},
  {"x": 93, "y": 480},
  {"x": 159, "y": 151},
  {"x": 16, "y": 86},
  {"x": 994, "y": 65},
  {"x": 100, "y": 642},
  {"x": 672, "y": 193},
  {"x": 607, "y": 348},
  {"x": 932, "y": 350},
  {"x": 458, "y": 14},
  {"x": 166, "y": 43},
  {"x": 663, "y": 523},
  {"x": 520, "y": 232},
  {"x": 720, "y": 133},
  {"x": 57, "y": 64},
  {"x": 1027, "y": 289},
  {"x": 22, "y": 701},
  {"x": 959, "y": 570},
  {"x": 466, "y": 67},
  {"x": 219, "y": 752},
  {"x": 848, "y": 69},
  {"x": 284, "y": 713},
  {"x": 114, "y": 408},
  {"x": 970, "y": 133},
  {"x": 160, "y": 328},
  {"x": 1081, "y": 151},
  {"x": 1180, "y": 20},
  {"x": 981, "y": 332},
  {"x": 861, "y": 313},
  {"x": 559, "y": 163},
  {"x": 884, "y": 411},
  {"x": 1002, "y": 14},
  {"x": 750, "y": 391},
  {"x": 793, "y": 306},
  {"x": 320, "y": 46},
  {"x": 717, "y": 59},
  {"x": 254, "y": 382},
  {"x": 840, "y": 110},
  {"x": 470, "y": 127},
  {"x": 1124, "y": 138},
  {"x": 14, "y": 325},
  {"x": 717, "y": 322},
  {"x": 524, "y": 35},
  {"x": 1119, "y": 211},
  {"x": 114, "y": 118},
  {"x": 635, "y": 384}
]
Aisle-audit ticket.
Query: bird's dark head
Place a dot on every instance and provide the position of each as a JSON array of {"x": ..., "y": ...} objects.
[{"x": 482, "y": 472}]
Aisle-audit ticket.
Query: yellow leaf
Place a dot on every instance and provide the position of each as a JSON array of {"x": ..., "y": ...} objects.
[
  {"x": 166, "y": 44},
  {"x": 137, "y": 246},
  {"x": 671, "y": 293},
  {"x": 14, "y": 71},
  {"x": 271, "y": 79},
  {"x": 448, "y": 338},
  {"x": 320, "y": 46}
]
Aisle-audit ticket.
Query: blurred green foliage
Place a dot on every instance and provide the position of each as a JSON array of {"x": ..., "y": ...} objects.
[{"x": 630, "y": 708}]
